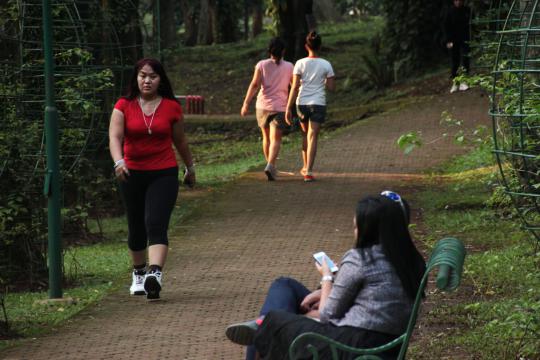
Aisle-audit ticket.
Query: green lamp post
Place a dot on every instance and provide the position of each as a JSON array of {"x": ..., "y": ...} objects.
[{"x": 52, "y": 177}]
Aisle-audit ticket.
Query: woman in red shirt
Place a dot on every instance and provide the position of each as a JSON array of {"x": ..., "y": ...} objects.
[{"x": 145, "y": 123}]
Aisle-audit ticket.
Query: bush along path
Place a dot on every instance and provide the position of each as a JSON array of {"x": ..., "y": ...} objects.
[{"x": 252, "y": 231}]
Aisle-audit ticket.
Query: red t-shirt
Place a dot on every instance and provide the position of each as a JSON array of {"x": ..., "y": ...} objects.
[{"x": 144, "y": 151}]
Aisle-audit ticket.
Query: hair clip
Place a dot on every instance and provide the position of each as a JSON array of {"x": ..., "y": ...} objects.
[{"x": 394, "y": 197}]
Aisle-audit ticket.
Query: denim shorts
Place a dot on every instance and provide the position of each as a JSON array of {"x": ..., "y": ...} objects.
[{"x": 315, "y": 113}]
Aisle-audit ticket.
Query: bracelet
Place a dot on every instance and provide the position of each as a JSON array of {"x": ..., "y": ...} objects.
[
  {"x": 190, "y": 169},
  {"x": 118, "y": 163},
  {"x": 327, "y": 278}
]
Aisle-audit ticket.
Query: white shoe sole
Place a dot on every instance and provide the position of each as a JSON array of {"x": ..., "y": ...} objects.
[{"x": 137, "y": 293}]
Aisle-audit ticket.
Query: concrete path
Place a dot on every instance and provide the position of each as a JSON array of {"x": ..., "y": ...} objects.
[{"x": 222, "y": 262}]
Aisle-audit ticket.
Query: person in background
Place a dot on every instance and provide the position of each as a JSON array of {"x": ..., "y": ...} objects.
[
  {"x": 457, "y": 33},
  {"x": 144, "y": 125},
  {"x": 367, "y": 303},
  {"x": 311, "y": 76},
  {"x": 273, "y": 77}
]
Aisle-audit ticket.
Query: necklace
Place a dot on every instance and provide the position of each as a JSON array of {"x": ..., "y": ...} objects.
[{"x": 148, "y": 125}]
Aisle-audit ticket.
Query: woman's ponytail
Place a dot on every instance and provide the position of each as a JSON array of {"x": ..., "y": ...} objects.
[
  {"x": 276, "y": 48},
  {"x": 314, "y": 41}
]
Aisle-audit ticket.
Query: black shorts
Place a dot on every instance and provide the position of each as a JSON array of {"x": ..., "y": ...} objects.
[{"x": 315, "y": 113}]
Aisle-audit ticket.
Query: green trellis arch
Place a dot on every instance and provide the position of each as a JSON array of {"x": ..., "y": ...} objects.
[
  {"x": 91, "y": 67},
  {"x": 515, "y": 109},
  {"x": 90, "y": 70},
  {"x": 487, "y": 20}
]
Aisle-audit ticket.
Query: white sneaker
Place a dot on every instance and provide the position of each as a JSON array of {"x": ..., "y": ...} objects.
[
  {"x": 463, "y": 87},
  {"x": 152, "y": 285},
  {"x": 454, "y": 88},
  {"x": 137, "y": 284}
]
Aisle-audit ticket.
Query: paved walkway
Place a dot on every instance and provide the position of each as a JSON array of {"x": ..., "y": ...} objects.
[{"x": 222, "y": 262}]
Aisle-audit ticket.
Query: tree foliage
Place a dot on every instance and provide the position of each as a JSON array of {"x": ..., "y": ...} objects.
[
  {"x": 413, "y": 32},
  {"x": 87, "y": 77},
  {"x": 216, "y": 21}
]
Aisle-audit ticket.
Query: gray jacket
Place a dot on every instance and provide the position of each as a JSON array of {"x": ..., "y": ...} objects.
[{"x": 367, "y": 293}]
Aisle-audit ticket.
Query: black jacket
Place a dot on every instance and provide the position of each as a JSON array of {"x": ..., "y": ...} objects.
[{"x": 456, "y": 24}]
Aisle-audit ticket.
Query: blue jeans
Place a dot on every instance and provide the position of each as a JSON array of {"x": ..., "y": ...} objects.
[{"x": 284, "y": 294}]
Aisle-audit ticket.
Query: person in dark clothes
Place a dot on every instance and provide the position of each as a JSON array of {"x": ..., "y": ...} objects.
[
  {"x": 457, "y": 31},
  {"x": 368, "y": 303}
]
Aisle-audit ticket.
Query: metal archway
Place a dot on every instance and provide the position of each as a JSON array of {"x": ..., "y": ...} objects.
[
  {"x": 484, "y": 30},
  {"x": 91, "y": 65},
  {"x": 515, "y": 110}
]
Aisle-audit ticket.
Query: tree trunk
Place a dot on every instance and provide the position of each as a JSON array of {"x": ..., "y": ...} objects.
[
  {"x": 205, "y": 32},
  {"x": 246, "y": 19},
  {"x": 293, "y": 19},
  {"x": 226, "y": 21},
  {"x": 168, "y": 27},
  {"x": 190, "y": 22},
  {"x": 213, "y": 18},
  {"x": 257, "y": 23}
]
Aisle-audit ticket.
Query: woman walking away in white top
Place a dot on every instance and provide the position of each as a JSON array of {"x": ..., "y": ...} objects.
[
  {"x": 273, "y": 77},
  {"x": 311, "y": 76}
]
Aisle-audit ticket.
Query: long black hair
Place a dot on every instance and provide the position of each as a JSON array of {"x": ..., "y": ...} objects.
[
  {"x": 380, "y": 220},
  {"x": 276, "y": 46},
  {"x": 314, "y": 41},
  {"x": 165, "y": 89}
]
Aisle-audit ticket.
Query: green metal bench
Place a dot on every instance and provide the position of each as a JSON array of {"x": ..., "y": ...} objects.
[{"x": 447, "y": 256}]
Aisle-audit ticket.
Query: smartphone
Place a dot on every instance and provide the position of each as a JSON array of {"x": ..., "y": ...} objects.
[{"x": 319, "y": 259}]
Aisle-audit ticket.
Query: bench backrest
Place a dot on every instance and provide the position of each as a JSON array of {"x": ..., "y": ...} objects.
[{"x": 448, "y": 257}]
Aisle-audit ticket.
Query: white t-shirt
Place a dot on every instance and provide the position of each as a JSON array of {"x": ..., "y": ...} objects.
[{"x": 313, "y": 74}]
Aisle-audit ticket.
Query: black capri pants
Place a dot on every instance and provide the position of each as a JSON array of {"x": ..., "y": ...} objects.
[{"x": 149, "y": 197}]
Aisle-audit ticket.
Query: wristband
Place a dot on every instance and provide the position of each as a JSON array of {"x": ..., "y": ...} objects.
[
  {"x": 190, "y": 169},
  {"x": 118, "y": 163},
  {"x": 327, "y": 278}
]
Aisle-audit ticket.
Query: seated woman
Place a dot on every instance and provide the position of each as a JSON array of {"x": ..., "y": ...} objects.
[{"x": 367, "y": 304}]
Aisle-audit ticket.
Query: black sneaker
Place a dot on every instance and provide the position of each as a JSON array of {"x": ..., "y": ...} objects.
[
  {"x": 152, "y": 285},
  {"x": 242, "y": 333}
]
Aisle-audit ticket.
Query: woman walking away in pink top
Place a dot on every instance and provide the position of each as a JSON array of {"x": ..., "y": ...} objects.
[
  {"x": 273, "y": 77},
  {"x": 312, "y": 75}
]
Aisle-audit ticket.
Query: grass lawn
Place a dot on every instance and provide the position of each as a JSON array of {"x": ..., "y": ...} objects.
[{"x": 495, "y": 313}]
